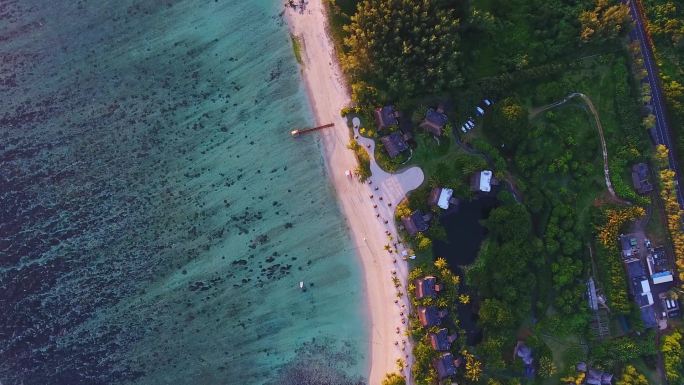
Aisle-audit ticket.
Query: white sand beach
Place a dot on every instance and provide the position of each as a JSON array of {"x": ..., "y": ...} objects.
[{"x": 328, "y": 95}]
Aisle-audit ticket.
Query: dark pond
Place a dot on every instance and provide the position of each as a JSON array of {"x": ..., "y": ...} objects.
[
  {"x": 464, "y": 238},
  {"x": 464, "y": 231}
]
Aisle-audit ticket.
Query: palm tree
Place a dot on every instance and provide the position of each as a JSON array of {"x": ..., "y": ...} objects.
[{"x": 440, "y": 263}]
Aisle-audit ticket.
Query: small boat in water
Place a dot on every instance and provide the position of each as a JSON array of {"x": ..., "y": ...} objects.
[{"x": 301, "y": 285}]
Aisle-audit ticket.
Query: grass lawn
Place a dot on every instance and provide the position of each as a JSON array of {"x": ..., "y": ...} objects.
[
  {"x": 655, "y": 228},
  {"x": 565, "y": 350}
]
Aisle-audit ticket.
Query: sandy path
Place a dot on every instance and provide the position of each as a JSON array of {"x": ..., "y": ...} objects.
[{"x": 328, "y": 95}]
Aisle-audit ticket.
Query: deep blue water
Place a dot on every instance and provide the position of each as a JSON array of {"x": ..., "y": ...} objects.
[{"x": 156, "y": 217}]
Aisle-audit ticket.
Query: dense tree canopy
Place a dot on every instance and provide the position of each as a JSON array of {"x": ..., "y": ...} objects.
[
  {"x": 507, "y": 261},
  {"x": 402, "y": 46},
  {"x": 673, "y": 355},
  {"x": 607, "y": 20}
]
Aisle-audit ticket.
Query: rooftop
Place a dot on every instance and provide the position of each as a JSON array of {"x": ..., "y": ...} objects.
[
  {"x": 426, "y": 287},
  {"x": 633, "y": 245},
  {"x": 444, "y": 198},
  {"x": 445, "y": 366},
  {"x": 434, "y": 121},
  {"x": 394, "y": 144},
  {"x": 659, "y": 266},
  {"x": 482, "y": 181},
  {"x": 441, "y": 341},
  {"x": 430, "y": 315},
  {"x": 416, "y": 222},
  {"x": 648, "y": 317},
  {"x": 635, "y": 269},
  {"x": 386, "y": 116},
  {"x": 640, "y": 178}
]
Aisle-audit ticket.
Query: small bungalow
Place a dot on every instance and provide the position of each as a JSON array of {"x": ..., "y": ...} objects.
[
  {"x": 640, "y": 178},
  {"x": 430, "y": 316},
  {"x": 482, "y": 181},
  {"x": 442, "y": 197},
  {"x": 427, "y": 287},
  {"x": 445, "y": 365},
  {"x": 593, "y": 376},
  {"x": 441, "y": 341},
  {"x": 643, "y": 297},
  {"x": 394, "y": 144},
  {"x": 416, "y": 223},
  {"x": 597, "y": 377},
  {"x": 386, "y": 116},
  {"x": 434, "y": 121},
  {"x": 581, "y": 367}
]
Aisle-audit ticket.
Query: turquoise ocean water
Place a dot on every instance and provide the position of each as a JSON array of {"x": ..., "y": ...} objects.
[{"x": 156, "y": 216}]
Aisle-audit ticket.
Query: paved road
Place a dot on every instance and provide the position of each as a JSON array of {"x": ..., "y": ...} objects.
[{"x": 663, "y": 134}]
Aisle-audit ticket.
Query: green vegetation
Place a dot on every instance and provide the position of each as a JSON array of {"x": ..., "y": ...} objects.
[
  {"x": 558, "y": 223},
  {"x": 605, "y": 21},
  {"x": 401, "y": 47},
  {"x": 297, "y": 48},
  {"x": 667, "y": 183},
  {"x": 363, "y": 170},
  {"x": 393, "y": 379},
  {"x": 666, "y": 27},
  {"x": 423, "y": 371},
  {"x": 631, "y": 376},
  {"x": 673, "y": 357},
  {"x": 511, "y": 244},
  {"x": 611, "y": 222}
]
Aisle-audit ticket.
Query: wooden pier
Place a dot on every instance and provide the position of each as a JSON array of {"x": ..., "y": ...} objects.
[{"x": 296, "y": 133}]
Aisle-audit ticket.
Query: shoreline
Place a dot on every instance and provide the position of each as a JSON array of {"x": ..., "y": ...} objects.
[{"x": 328, "y": 94}]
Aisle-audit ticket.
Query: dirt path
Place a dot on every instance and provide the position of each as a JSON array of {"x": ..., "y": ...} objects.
[{"x": 587, "y": 101}]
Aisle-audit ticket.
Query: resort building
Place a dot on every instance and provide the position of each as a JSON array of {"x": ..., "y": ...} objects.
[
  {"x": 441, "y": 341},
  {"x": 442, "y": 197},
  {"x": 482, "y": 181},
  {"x": 434, "y": 121},
  {"x": 659, "y": 267},
  {"x": 386, "y": 116},
  {"x": 394, "y": 144},
  {"x": 445, "y": 366},
  {"x": 593, "y": 376},
  {"x": 597, "y": 377},
  {"x": 427, "y": 287},
  {"x": 416, "y": 223},
  {"x": 640, "y": 178},
  {"x": 430, "y": 316},
  {"x": 641, "y": 290}
]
